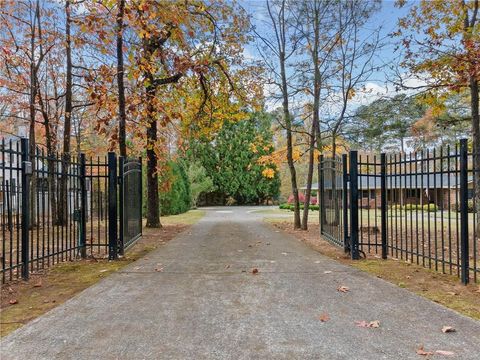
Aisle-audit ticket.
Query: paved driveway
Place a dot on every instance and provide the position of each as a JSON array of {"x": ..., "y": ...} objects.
[{"x": 206, "y": 304}]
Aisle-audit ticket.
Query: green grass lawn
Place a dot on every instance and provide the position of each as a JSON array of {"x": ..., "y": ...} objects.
[
  {"x": 188, "y": 218},
  {"x": 372, "y": 217}
]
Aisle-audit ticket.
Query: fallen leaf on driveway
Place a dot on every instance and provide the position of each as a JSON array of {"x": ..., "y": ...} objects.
[
  {"x": 284, "y": 253},
  {"x": 374, "y": 324},
  {"x": 447, "y": 329},
  {"x": 13, "y": 301},
  {"x": 343, "y": 289},
  {"x": 159, "y": 269},
  {"x": 137, "y": 268},
  {"x": 324, "y": 317},
  {"x": 362, "y": 323},
  {"x": 367, "y": 324},
  {"x": 327, "y": 272},
  {"x": 227, "y": 266},
  {"x": 254, "y": 271},
  {"x": 421, "y": 351},
  {"x": 444, "y": 352}
]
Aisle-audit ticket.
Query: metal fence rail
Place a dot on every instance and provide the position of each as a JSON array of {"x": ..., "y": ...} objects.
[
  {"x": 55, "y": 209},
  {"x": 418, "y": 207}
]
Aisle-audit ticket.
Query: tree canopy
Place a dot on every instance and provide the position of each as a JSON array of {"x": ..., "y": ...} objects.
[{"x": 235, "y": 160}]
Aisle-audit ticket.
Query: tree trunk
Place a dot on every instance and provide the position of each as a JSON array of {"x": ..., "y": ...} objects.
[
  {"x": 32, "y": 110},
  {"x": 66, "y": 156},
  {"x": 321, "y": 212},
  {"x": 315, "y": 130},
  {"x": 51, "y": 173},
  {"x": 120, "y": 81},
  {"x": 291, "y": 164},
  {"x": 474, "y": 101},
  {"x": 153, "y": 204},
  {"x": 32, "y": 147},
  {"x": 50, "y": 141},
  {"x": 308, "y": 192},
  {"x": 335, "y": 197}
]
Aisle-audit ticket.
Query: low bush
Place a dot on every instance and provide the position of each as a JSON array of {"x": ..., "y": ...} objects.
[
  {"x": 430, "y": 208},
  {"x": 415, "y": 207},
  {"x": 291, "y": 207}
]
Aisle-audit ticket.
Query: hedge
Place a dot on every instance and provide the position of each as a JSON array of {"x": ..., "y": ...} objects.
[{"x": 291, "y": 207}]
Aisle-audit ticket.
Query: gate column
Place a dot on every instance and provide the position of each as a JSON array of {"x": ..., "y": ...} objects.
[{"x": 354, "y": 205}]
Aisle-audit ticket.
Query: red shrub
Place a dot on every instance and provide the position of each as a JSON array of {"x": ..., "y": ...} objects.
[{"x": 301, "y": 198}]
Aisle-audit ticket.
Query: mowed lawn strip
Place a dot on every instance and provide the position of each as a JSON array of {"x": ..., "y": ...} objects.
[{"x": 23, "y": 301}]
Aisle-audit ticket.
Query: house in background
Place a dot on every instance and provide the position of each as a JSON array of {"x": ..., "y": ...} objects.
[
  {"x": 10, "y": 180},
  {"x": 440, "y": 189},
  {"x": 10, "y": 174}
]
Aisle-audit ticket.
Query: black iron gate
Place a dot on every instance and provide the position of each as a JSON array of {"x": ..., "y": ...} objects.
[
  {"x": 130, "y": 179},
  {"x": 418, "y": 207},
  {"x": 333, "y": 200}
]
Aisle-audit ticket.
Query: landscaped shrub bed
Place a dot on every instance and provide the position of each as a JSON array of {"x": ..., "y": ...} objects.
[
  {"x": 291, "y": 207},
  {"x": 415, "y": 207}
]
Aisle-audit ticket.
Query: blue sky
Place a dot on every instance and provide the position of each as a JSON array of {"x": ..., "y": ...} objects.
[{"x": 387, "y": 18}]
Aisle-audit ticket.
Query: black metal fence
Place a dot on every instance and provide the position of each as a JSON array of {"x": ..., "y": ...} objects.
[
  {"x": 418, "y": 207},
  {"x": 54, "y": 209}
]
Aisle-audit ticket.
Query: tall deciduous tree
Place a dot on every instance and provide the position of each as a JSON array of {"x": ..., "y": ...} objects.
[
  {"x": 442, "y": 42},
  {"x": 276, "y": 52},
  {"x": 67, "y": 125},
  {"x": 25, "y": 44},
  {"x": 193, "y": 44},
  {"x": 319, "y": 37}
]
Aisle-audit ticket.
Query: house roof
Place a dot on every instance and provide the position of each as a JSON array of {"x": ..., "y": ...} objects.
[{"x": 399, "y": 181}]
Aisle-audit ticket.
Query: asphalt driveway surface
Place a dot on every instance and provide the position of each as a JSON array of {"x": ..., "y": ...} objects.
[{"x": 197, "y": 298}]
